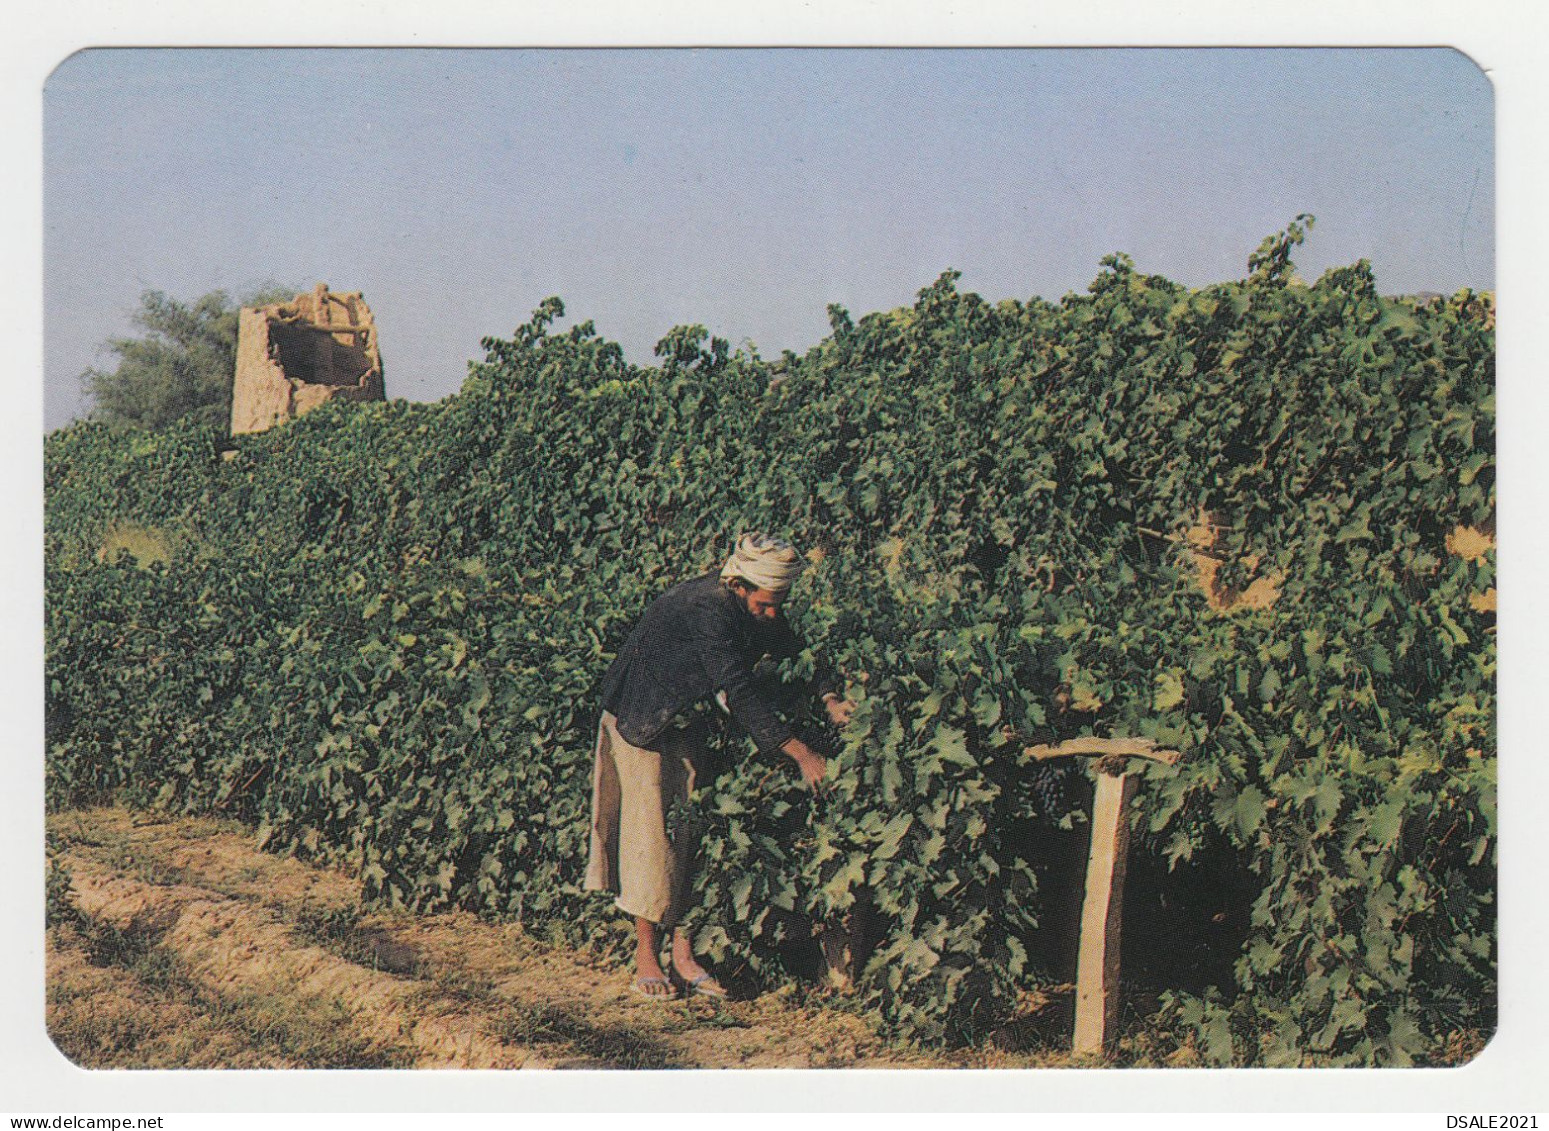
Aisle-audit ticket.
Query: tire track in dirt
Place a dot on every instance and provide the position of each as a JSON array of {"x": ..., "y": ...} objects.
[
  {"x": 451, "y": 989},
  {"x": 102, "y": 1015},
  {"x": 234, "y": 948}
]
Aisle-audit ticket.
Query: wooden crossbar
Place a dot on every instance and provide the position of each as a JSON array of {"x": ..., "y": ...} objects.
[{"x": 1092, "y": 746}]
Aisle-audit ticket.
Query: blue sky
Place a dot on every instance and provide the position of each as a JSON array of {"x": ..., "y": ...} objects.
[{"x": 741, "y": 189}]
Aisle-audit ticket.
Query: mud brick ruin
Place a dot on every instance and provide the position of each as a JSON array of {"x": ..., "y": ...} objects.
[{"x": 294, "y": 356}]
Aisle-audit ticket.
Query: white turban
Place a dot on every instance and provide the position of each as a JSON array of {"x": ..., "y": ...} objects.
[{"x": 764, "y": 562}]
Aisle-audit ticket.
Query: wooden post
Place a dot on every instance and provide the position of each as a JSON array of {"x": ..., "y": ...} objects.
[
  {"x": 1102, "y": 909},
  {"x": 1102, "y": 912}
]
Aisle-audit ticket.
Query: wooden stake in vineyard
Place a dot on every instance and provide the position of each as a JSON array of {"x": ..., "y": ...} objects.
[{"x": 1102, "y": 909}]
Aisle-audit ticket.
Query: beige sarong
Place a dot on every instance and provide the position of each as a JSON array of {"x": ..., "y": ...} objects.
[{"x": 633, "y": 850}]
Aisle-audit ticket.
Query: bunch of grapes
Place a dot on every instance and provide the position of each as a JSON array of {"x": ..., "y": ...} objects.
[{"x": 1051, "y": 789}]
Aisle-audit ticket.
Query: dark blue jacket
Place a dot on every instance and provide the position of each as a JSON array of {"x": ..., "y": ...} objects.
[{"x": 694, "y": 640}]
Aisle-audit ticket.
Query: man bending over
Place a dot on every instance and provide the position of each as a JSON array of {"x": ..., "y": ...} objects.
[{"x": 698, "y": 641}]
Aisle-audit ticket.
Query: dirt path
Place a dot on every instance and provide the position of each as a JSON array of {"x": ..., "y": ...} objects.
[{"x": 188, "y": 947}]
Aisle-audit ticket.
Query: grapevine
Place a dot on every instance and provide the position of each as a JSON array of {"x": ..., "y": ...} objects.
[{"x": 1253, "y": 522}]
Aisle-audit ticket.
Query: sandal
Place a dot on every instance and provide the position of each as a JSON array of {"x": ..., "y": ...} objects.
[
  {"x": 705, "y": 986},
  {"x": 647, "y": 987}
]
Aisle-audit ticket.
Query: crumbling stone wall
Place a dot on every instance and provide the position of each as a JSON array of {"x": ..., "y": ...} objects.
[{"x": 293, "y": 356}]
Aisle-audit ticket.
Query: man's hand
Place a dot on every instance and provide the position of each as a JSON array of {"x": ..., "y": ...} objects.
[
  {"x": 839, "y": 710},
  {"x": 811, "y": 764}
]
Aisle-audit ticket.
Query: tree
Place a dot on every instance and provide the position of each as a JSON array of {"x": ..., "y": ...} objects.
[{"x": 180, "y": 367}]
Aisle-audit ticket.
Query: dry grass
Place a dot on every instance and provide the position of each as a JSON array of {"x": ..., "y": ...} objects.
[
  {"x": 1203, "y": 538},
  {"x": 1469, "y": 543},
  {"x": 145, "y": 544},
  {"x": 119, "y": 999},
  {"x": 179, "y": 944}
]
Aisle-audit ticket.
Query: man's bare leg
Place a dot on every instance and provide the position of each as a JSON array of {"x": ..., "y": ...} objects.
[
  {"x": 687, "y": 967},
  {"x": 683, "y": 961},
  {"x": 649, "y": 976}
]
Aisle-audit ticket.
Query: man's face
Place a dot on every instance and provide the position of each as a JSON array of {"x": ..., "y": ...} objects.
[{"x": 763, "y": 604}]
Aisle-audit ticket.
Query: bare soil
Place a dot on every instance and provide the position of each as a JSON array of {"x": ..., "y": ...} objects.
[{"x": 184, "y": 946}]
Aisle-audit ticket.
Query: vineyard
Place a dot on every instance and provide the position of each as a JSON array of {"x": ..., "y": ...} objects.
[{"x": 1252, "y": 522}]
